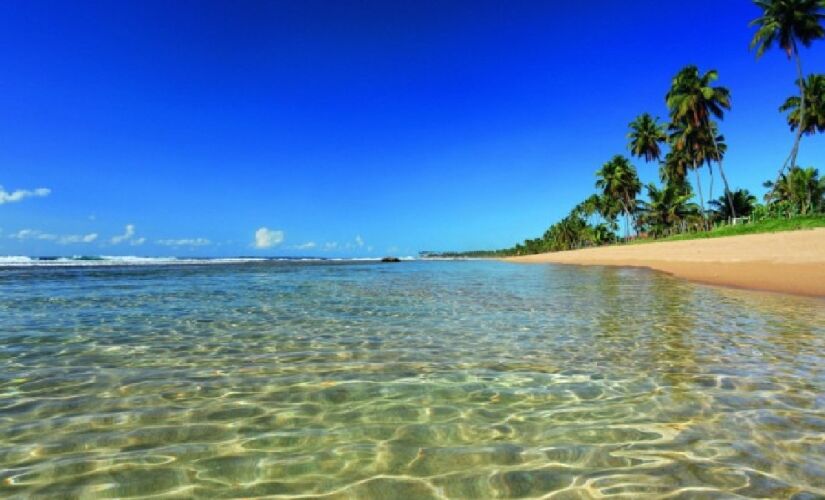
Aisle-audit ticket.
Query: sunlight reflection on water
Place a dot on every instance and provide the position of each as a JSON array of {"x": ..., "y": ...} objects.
[{"x": 412, "y": 380}]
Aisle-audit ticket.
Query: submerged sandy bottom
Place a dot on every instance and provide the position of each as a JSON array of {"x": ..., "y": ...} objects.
[
  {"x": 789, "y": 262},
  {"x": 413, "y": 380}
]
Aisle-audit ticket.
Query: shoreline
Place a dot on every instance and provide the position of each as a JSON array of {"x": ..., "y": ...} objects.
[{"x": 791, "y": 262}]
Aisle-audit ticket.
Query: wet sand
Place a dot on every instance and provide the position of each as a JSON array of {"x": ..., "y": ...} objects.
[{"x": 788, "y": 262}]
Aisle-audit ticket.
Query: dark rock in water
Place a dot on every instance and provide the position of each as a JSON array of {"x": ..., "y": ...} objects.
[{"x": 390, "y": 259}]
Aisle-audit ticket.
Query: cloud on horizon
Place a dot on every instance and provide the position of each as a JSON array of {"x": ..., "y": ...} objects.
[
  {"x": 128, "y": 235},
  {"x": 68, "y": 239},
  {"x": 21, "y": 194},
  {"x": 185, "y": 242},
  {"x": 268, "y": 238}
]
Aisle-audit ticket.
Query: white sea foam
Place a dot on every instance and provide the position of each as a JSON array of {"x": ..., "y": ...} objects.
[
  {"x": 113, "y": 260},
  {"x": 132, "y": 260}
]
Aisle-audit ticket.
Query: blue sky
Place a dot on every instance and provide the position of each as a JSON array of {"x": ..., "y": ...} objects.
[{"x": 348, "y": 127}]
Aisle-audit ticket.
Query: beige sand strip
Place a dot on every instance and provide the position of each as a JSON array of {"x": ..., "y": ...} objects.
[{"x": 788, "y": 262}]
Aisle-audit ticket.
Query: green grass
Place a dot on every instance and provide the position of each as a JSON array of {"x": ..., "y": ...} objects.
[{"x": 763, "y": 226}]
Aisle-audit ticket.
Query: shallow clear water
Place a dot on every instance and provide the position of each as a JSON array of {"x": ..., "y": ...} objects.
[{"x": 411, "y": 380}]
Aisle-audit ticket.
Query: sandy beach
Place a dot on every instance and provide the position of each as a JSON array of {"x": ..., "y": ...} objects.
[{"x": 788, "y": 262}]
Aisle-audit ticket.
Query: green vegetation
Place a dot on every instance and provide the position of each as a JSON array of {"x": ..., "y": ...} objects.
[
  {"x": 789, "y": 23},
  {"x": 695, "y": 106},
  {"x": 760, "y": 226}
]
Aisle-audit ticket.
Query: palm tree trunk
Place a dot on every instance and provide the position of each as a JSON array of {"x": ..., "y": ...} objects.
[
  {"x": 724, "y": 179},
  {"x": 795, "y": 149},
  {"x": 701, "y": 197},
  {"x": 626, "y": 227},
  {"x": 710, "y": 190},
  {"x": 632, "y": 216},
  {"x": 801, "y": 128}
]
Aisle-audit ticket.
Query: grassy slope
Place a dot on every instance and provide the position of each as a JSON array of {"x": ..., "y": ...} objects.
[{"x": 764, "y": 226}]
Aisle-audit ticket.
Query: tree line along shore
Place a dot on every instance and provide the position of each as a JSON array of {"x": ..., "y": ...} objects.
[{"x": 691, "y": 140}]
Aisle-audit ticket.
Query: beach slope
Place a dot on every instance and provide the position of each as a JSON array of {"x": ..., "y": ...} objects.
[{"x": 787, "y": 262}]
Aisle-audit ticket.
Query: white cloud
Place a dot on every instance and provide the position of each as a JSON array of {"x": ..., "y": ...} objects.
[
  {"x": 20, "y": 194},
  {"x": 137, "y": 241},
  {"x": 185, "y": 242},
  {"x": 306, "y": 246},
  {"x": 129, "y": 232},
  {"x": 68, "y": 239},
  {"x": 359, "y": 241},
  {"x": 32, "y": 234},
  {"x": 77, "y": 238},
  {"x": 268, "y": 238},
  {"x": 330, "y": 245}
]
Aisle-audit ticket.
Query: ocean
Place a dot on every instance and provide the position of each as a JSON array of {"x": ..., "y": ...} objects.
[{"x": 451, "y": 379}]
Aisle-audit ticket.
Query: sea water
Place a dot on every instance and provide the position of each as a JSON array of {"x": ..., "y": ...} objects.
[{"x": 467, "y": 379}]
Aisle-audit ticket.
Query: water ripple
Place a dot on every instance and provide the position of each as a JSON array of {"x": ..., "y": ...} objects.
[{"x": 418, "y": 380}]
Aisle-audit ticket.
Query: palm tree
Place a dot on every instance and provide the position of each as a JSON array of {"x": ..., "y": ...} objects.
[
  {"x": 693, "y": 101},
  {"x": 712, "y": 148},
  {"x": 620, "y": 183},
  {"x": 743, "y": 200},
  {"x": 667, "y": 209},
  {"x": 800, "y": 188},
  {"x": 788, "y": 23},
  {"x": 690, "y": 147},
  {"x": 814, "y": 106},
  {"x": 646, "y": 135},
  {"x": 675, "y": 167}
]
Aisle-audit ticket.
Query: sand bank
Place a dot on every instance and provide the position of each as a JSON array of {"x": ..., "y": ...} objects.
[{"x": 788, "y": 262}]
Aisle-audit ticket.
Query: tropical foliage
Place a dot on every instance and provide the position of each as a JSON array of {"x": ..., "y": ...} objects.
[
  {"x": 690, "y": 141},
  {"x": 787, "y": 24},
  {"x": 814, "y": 88},
  {"x": 799, "y": 191},
  {"x": 693, "y": 101},
  {"x": 619, "y": 182},
  {"x": 646, "y": 138},
  {"x": 743, "y": 201},
  {"x": 669, "y": 210}
]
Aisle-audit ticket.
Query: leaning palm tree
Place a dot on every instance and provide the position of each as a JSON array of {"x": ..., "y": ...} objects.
[
  {"x": 646, "y": 136},
  {"x": 620, "y": 183},
  {"x": 814, "y": 88},
  {"x": 789, "y": 23},
  {"x": 693, "y": 101}
]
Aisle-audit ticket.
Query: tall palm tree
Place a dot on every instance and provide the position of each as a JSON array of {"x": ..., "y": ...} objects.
[
  {"x": 646, "y": 136},
  {"x": 789, "y": 23},
  {"x": 619, "y": 182},
  {"x": 693, "y": 101},
  {"x": 713, "y": 148},
  {"x": 690, "y": 147},
  {"x": 814, "y": 88}
]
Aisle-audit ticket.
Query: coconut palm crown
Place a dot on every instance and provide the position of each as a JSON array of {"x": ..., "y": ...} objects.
[
  {"x": 787, "y": 23},
  {"x": 693, "y": 99},
  {"x": 646, "y": 136},
  {"x": 814, "y": 91}
]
